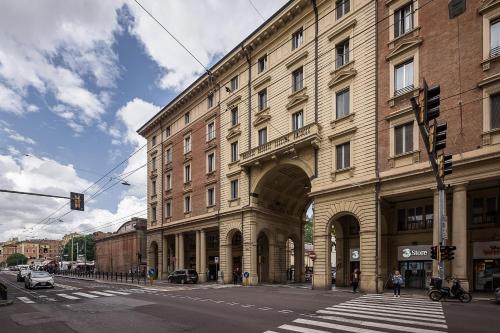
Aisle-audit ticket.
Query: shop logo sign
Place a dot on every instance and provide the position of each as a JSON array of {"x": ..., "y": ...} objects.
[
  {"x": 406, "y": 253},
  {"x": 355, "y": 254}
]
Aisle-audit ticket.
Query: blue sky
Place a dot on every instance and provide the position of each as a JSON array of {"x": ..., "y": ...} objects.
[{"x": 76, "y": 81}]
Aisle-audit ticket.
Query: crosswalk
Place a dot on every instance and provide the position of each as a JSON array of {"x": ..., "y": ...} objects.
[
  {"x": 372, "y": 313},
  {"x": 79, "y": 295}
]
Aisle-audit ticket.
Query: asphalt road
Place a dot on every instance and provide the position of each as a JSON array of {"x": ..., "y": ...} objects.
[{"x": 89, "y": 306}]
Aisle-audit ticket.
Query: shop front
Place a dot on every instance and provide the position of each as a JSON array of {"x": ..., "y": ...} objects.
[
  {"x": 415, "y": 265},
  {"x": 486, "y": 262}
]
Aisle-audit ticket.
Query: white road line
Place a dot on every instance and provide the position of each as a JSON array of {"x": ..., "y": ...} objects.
[
  {"x": 67, "y": 296},
  {"x": 334, "y": 326},
  {"x": 365, "y": 316},
  {"x": 232, "y": 303},
  {"x": 364, "y": 323},
  {"x": 408, "y": 312},
  {"x": 85, "y": 295},
  {"x": 51, "y": 299},
  {"x": 64, "y": 286},
  {"x": 101, "y": 293},
  {"x": 399, "y": 298},
  {"x": 389, "y": 307},
  {"x": 404, "y": 303},
  {"x": 247, "y": 306},
  {"x": 265, "y": 308},
  {"x": 25, "y": 300},
  {"x": 389, "y": 313},
  {"x": 116, "y": 292},
  {"x": 285, "y": 311}
]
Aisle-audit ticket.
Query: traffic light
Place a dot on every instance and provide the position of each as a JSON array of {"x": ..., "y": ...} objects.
[
  {"x": 434, "y": 252},
  {"x": 429, "y": 101},
  {"x": 77, "y": 201},
  {"x": 447, "y": 252},
  {"x": 445, "y": 164},
  {"x": 440, "y": 142}
]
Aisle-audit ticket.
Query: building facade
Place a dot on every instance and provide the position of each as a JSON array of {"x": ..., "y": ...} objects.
[
  {"x": 462, "y": 56},
  {"x": 123, "y": 251},
  {"x": 285, "y": 119}
]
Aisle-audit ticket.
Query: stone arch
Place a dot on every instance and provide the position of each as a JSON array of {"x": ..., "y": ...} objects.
[
  {"x": 153, "y": 254},
  {"x": 307, "y": 169},
  {"x": 342, "y": 208},
  {"x": 233, "y": 254}
]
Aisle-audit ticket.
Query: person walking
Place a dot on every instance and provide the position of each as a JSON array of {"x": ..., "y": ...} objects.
[
  {"x": 397, "y": 281},
  {"x": 355, "y": 280}
]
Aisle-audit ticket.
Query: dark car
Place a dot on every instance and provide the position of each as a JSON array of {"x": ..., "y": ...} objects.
[{"x": 183, "y": 276}]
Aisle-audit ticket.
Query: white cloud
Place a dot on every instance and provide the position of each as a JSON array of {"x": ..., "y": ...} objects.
[
  {"x": 10, "y": 101},
  {"x": 18, "y": 137}
]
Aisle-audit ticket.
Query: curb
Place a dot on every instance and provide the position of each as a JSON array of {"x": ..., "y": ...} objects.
[{"x": 6, "y": 303}]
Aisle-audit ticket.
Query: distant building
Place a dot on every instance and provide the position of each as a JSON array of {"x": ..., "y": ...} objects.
[{"x": 124, "y": 250}]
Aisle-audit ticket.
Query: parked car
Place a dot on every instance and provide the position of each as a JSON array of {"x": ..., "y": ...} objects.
[
  {"x": 183, "y": 276},
  {"x": 36, "y": 279},
  {"x": 497, "y": 295},
  {"x": 21, "y": 274}
]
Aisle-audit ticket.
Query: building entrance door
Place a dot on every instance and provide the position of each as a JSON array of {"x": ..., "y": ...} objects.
[{"x": 416, "y": 273}]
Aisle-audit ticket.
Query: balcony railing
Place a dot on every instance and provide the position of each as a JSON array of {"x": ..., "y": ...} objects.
[{"x": 303, "y": 135}]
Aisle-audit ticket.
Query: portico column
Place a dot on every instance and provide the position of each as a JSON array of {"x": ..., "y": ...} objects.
[
  {"x": 198, "y": 254},
  {"x": 164, "y": 272},
  {"x": 181, "y": 251},
  {"x": 435, "y": 231},
  {"x": 459, "y": 234},
  {"x": 250, "y": 251},
  {"x": 176, "y": 264},
  {"x": 203, "y": 256}
]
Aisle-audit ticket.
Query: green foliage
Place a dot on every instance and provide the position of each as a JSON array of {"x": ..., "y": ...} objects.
[
  {"x": 17, "y": 259},
  {"x": 309, "y": 230},
  {"x": 80, "y": 240}
]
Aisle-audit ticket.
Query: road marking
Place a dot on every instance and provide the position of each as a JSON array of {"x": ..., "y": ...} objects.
[
  {"x": 25, "y": 299},
  {"x": 265, "y": 308},
  {"x": 390, "y": 307},
  {"x": 101, "y": 293},
  {"x": 388, "y": 313},
  {"x": 232, "y": 303},
  {"x": 68, "y": 296},
  {"x": 116, "y": 292},
  {"x": 85, "y": 295},
  {"x": 64, "y": 286},
  {"x": 285, "y": 311},
  {"x": 247, "y": 306},
  {"x": 395, "y": 302}
]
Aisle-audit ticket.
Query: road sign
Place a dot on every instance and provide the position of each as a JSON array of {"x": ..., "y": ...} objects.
[
  {"x": 246, "y": 275},
  {"x": 312, "y": 255},
  {"x": 216, "y": 259}
]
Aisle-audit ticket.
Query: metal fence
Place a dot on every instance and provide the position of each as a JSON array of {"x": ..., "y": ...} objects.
[{"x": 109, "y": 276}]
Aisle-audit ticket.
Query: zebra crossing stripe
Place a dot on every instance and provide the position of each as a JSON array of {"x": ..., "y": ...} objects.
[
  {"x": 433, "y": 314},
  {"x": 68, "y": 296},
  {"x": 25, "y": 300},
  {"x": 363, "y": 323},
  {"x": 101, "y": 293},
  {"x": 86, "y": 295},
  {"x": 334, "y": 326},
  {"x": 363, "y": 316},
  {"x": 396, "y": 301},
  {"x": 389, "y": 307},
  {"x": 116, "y": 292},
  {"x": 388, "y": 313}
]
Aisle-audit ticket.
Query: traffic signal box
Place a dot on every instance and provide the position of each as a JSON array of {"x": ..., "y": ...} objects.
[{"x": 77, "y": 201}]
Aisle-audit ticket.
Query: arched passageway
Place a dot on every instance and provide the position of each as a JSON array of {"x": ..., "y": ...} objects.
[
  {"x": 263, "y": 258},
  {"x": 234, "y": 254},
  {"x": 153, "y": 257}
]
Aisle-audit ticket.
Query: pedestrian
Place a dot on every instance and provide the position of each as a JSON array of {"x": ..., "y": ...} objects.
[
  {"x": 397, "y": 281},
  {"x": 235, "y": 276},
  {"x": 355, "y": 280}
]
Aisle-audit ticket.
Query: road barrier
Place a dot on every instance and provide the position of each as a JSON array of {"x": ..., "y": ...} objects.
[{"x": 108, "y": 276}]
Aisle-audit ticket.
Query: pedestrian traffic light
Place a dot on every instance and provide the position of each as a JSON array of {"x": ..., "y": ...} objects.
[
  {"x": 434, "y": 252},
  {"x": 445, "y": 164},
  {"x": 77, "y": 201}
]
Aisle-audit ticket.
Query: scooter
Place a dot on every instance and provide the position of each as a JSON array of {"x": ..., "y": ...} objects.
[{"x": 455, "y": 292}]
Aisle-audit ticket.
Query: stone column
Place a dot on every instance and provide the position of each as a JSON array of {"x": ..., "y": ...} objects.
[
  {"x": 176, "y": 264},
  {"x": 164, "y": 271},
  {"x": 198, "y": 254},
  {"x": 250, "y": 251},
  {"x": 181, "y": 251},
  {"x": 435, "y": 231},
  {"x": 459, "y": 234},
  {"x": 203, "y": 256}
]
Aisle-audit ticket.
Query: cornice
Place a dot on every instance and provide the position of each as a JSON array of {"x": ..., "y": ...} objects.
[
  {"x": 296, "y": 59},
  {"x": 403, "y": 46},
  {"x": 341, "y": 29},
  {"x": 487, "y": 5},
  {"x": 260, "y": 81},
  {"x": 489, "y": 80}
]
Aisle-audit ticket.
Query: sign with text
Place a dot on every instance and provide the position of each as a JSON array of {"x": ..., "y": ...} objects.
[
  {"x": 486, "y": 250},
  {"x": 414, "y": 252}
]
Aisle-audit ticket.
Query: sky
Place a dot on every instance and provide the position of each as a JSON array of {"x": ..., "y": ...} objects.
[{"x": 77, "y": 79}]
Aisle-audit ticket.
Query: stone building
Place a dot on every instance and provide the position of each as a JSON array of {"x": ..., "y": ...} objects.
[
  {"x": 124, "y": 250},
  {"x": 461, "y": 54}
]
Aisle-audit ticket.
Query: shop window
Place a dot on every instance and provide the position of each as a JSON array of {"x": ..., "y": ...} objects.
[{"x": 415, "y": 218}]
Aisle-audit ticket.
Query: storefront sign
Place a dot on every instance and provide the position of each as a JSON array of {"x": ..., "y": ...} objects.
[
  {"x": 414, "y": 252},
  {"x": 486, "y": 250},
  {"x": 355, "y": 254}
]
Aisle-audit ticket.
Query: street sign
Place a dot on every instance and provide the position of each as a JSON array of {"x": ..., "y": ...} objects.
[
  {"x": 216, "y": 259},
  {"x": 246, "y": 275}
]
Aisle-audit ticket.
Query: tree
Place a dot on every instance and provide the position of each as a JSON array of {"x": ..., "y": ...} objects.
[
  {"x": 17, "y": 259},
  {"x": 80, "y": 240},
  {"x": 309, "y": 230}
]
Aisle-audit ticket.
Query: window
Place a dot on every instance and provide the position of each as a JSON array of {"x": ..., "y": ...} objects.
[
  {"x": 234, "y": 151},
  {"x": 404, "y": 138},
  {"x": 168, "y": 181},
  {"x": 262, "y": 136},
  {"x": 187, "y": 204},
  {"x": 168, "y": 155},
  {"x": 297, "y": 39},
  {"x": 342, "y": 50},
  {"x": 153, "y": 163},
  {"x": 210, "y": 131},
  {"x": 234, "y": 189},
  {"x": 210, "y": 197},
  {"x": 168, "y": 209},
  {"x": 153, "y": 187},
  {"x": 403, "y": 78},
  {"x": 153, "y": 140},
  {"x": 167, "y": 131},
  {"x": 211, "y": 162},
  {"x": 262, "y": 65},
  {"x": 187, "y": 144},
  {"x": 153, "y": 213},
  {"x": 187, "y": 118},
  {"x": 485, "y": 210},
  {"x": 234, "y": 116},
  {"x": 343, "y": 155},
  {"x": 297, "y": 79},
  {"x": 342, "y": 7},
  {"x": 495, "y": 38},
  {"x": 495, "y": 111},
  {"x": 262, "y": 99},
  {"x": 297, "y": 120},
  {"x": 187, "y": 173},
  {"x": 342, "y": 103},
  {"x": 234, "y": 83},
  {"x": 415, "y": 218},
  {"x": 210, "y": 100},
  {"x": 403, "y": 20}
]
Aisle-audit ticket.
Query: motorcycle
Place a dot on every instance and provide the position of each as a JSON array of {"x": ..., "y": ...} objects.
[{"x": 455, "y": 292}]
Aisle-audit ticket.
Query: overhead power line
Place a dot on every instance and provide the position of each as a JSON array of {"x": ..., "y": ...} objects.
[{"x": 254, "y": 7}]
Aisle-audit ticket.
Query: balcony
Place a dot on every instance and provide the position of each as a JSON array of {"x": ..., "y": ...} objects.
[{"x": 308, "y": 135}]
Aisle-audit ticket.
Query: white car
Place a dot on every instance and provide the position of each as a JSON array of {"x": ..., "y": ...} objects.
[{"x": 38, "y": 279}]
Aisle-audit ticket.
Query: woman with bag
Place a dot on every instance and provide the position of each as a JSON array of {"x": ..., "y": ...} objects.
[{"x": 397, "y": 281}]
